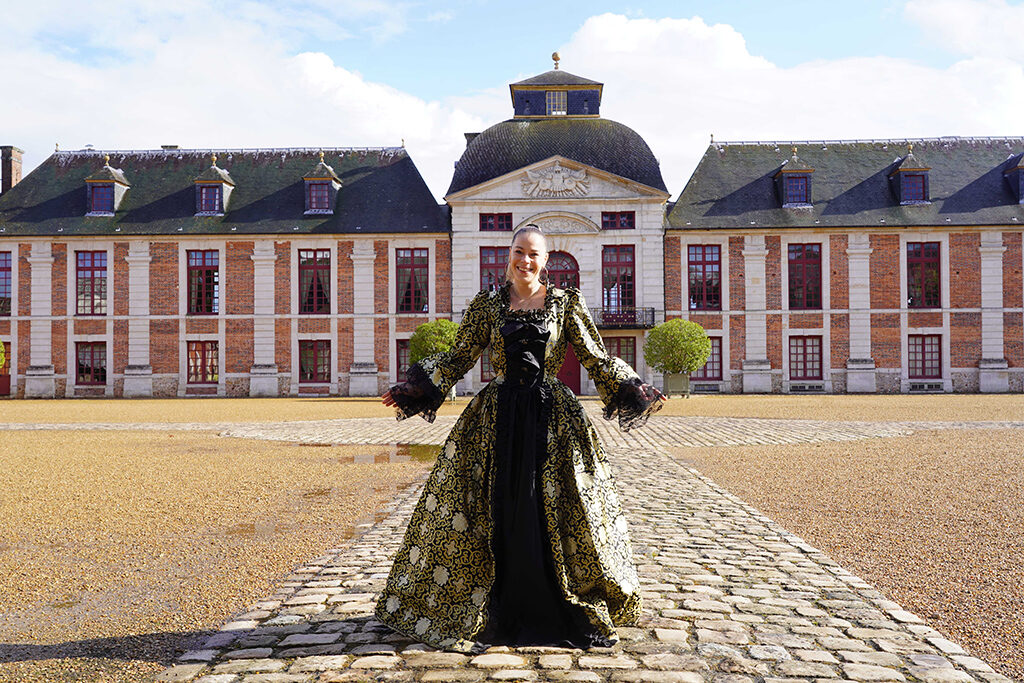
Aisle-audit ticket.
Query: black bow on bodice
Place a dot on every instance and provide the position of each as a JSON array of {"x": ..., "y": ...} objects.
[{"x": 525, "y": 342}]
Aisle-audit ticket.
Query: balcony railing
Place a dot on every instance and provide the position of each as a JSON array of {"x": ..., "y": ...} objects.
[{"x": 623, "y": 318}]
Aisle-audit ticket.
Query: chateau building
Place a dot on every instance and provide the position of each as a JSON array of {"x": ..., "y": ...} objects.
[{"x": 880, "y": 266}]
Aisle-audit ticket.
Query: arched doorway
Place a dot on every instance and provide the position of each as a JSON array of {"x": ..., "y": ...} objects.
[{"x": 563, "y": 271}]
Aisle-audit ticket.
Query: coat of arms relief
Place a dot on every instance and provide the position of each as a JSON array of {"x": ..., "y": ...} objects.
[{"x": 556, "y": 181}]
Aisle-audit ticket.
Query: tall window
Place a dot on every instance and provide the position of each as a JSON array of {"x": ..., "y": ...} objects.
[
  {"x": 705, "y": 277},
  {"x": 208, "y": 199},
  {"x": 5, "y": 283},
  {"x": 314, "y": 280},
  {"x": 617, "y": 284},
  {"x": 101, "y": 196},
  {"x": 912, "y": 187},
  {"x": 924, "y": 356},
  {"x": 556, "y": 101},
  {"x": 804, "y": 358},
  {"x": 486, "y": 369},
  {"x": 202, "y": 362},
  {"x": 923, "y": 290},
  {"x": 411, "y": 274},
  {"x": 203, "y": 282},
  {"x": 91, "y": 288},
  {"x": 314, "y": 360},
  {"x": 805, "y": 276},
  {"x": 496, "y": 221},
  {"x": 563, "y": 271},
  {"x": 318, "y": 196},
  {"x": 493, "y": 261},
  {"x": 797, "y": 190},
  {"x": 615, "y": 220},
  {"x": 92, "y": 363},
  {"x": 402, "y": 358},
  {"x": 712, "y": 370},
  {"x": 622, "y": 347}
]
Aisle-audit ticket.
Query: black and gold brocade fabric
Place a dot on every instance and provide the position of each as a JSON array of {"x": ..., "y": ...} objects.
[{"x": 522, "y": 455}]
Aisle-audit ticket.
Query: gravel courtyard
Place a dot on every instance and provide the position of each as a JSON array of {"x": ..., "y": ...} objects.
[{"x": 120, "y": 546}]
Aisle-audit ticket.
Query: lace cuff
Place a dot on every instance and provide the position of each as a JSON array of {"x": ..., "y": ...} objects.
[
  {"x": 416, "y": 395},
  {"x": 633, "y": 403}
]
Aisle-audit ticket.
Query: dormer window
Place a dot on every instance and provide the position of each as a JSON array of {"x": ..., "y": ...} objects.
[
  {"x": 557, "y": 102},
  {"x": 793, "y": 183},
  {"x": 910, "y": 180},
  {"x": 1015, "y": 176},
  {"x": 105, "y": 189},
  {"x": 213, "y": 190},
  {"x": 322, "y": 185}
]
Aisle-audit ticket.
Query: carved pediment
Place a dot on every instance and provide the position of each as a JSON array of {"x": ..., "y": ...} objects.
[
  {"x": 556, "y": 181},
  {"x": 562, "y": 224}
]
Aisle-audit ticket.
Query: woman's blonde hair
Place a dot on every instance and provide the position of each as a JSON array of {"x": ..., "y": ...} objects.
[{"x": 529, "y": 227}]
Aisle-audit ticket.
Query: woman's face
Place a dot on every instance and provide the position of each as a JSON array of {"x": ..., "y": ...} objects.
[{"x": 527, "y": 257}]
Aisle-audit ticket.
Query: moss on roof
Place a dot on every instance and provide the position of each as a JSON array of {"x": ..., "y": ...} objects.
[{"x": 382, "y": 191}]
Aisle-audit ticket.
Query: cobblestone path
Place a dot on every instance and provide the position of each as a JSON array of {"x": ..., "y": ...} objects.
[{"x": 731, "y": 597}]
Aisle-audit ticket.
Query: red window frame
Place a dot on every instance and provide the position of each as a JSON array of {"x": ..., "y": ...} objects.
[
  {"x": 314, "y": 361},
  {"x": 90, "y": 283},
  {"x": 412, "y": 272},
  {"x": 314, "y": 281},
  {"x": 5, "y": 283},
  {"x": 622, "y": 347},
  {"x": 797, "y": 187},
  {"x": 805, "y": 359},
  {"x": 924, "y": 280},
  {"x": 618, "y": 220},
  {"x": 318, "y": 195},
  {"x": 618, "y": 281},
  {"x": 209, "y": 198},
  {"x": 924, "y": 356},
  {"x": 704, "y": 270},
  {"x": 402, "y": 362},
  {"x": 563, "y": 271},
  {"x": 496, "y": 222},
  {"x": 912, "y": 187},
  {"x": 91, "y": 366},
  {"x": 203, "y": 281},
  {"x": 101, "y": 197},
  {"x": 486, "y": 369},
  {"x": 712, "y": 369},
  {"x": 493, "y": 262},
  {"x": 804, "y": 276},
  {"x": 202, "y": 362}
]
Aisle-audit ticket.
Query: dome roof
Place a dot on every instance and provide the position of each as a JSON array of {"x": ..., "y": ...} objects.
[{"x": 516, "y": 143}]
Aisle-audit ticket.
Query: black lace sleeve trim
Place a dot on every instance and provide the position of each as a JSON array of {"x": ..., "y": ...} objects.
[
  {"x": 416, "y": 395},
  {"x": 633, "y": 403}
]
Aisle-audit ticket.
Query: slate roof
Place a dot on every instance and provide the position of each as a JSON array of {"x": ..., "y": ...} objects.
[
  {"x": 382, "y": 192},
  {"x": 513, "y": 144},
  {"x": 556, "y": 77},
  {"x": 733, "y": 185},
  {"x": 109, "y": 174}
]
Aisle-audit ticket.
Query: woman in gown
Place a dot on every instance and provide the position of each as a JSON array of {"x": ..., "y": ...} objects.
[{"x": 518, "y": 537}]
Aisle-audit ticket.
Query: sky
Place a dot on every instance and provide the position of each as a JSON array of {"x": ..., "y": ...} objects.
[{"x": 367, "y": 73}]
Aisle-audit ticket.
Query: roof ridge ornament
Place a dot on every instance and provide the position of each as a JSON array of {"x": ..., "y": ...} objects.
[
  {"x": 213, "y": 159},
  {"x": 106, "y": 160},
  {"x": 557, "y": 58}
]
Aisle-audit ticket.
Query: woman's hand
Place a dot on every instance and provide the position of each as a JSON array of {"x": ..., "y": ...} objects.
[{"x": 389, "y": 401}]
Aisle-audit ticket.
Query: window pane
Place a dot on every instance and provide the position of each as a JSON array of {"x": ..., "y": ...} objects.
[
  {"x": 102, "y": 198},
  {"x": 556, "y": 102},
  {"x": 704, "y": 274},
  {"x": 923, "y": 279},
  {"x": 411, "y": 279},
  {"x": 712, "y": 369},
  {"x": 805, "y": 358},
  {"x": 804, "y": 276},
  {"x": 493, "y": 261},
  {"x": 5, "y": 283}
]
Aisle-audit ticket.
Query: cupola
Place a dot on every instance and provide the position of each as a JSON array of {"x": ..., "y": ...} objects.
[
  {"x": 213, "y": 190},
  {"x": 1014, "y": 175},
  {"x": 909, "y": 180},
  {"x": 793, "y": 183},
  {"x": 322, "y": 185},
  {"x": 104, "y": 190},
  {"x": 556, "y": 93}
]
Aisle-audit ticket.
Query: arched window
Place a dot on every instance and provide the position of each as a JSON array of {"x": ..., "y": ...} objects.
[{"x": 563, "y": 271}]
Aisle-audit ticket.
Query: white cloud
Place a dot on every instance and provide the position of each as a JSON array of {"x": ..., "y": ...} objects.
[{"x": 979, "y": 28}]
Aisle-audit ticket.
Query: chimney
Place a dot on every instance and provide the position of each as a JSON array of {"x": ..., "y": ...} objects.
[{"x": 10, "y": 167}]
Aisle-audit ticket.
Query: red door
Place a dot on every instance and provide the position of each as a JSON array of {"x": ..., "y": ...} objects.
[
  {"x": 5, "y": 371},
  {"x": 563, "y": 271},
  {"x": 570, "y": 372}
]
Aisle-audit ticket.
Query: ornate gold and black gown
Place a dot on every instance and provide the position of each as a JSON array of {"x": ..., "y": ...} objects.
[{"x": 518, "y": 537}]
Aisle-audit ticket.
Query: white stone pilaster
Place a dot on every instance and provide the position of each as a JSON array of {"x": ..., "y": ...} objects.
[
  {"x": 39, "y": 380},
  {"x": 993, "y": 376},
  {"x": 860, "y": 366},
  {"x": 263, "y": 373},
  {"x": 757, "y": 378},
  {"x": 363, "y": 373},
  {"x": 138, "y": 373}
]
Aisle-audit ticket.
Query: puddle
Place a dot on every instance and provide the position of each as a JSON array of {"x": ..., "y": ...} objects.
[
  {"x": 379, "y": 454},
  {"x": 65, "y": 603}
]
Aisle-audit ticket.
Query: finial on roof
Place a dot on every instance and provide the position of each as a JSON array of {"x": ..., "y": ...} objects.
[
  {"x": 555, "y": 56},
  {"x": 403, "y": 143},
  {"x": 794, "y": 150},
  {"x": 106, "y": 160},
  {"x": 213, "y": 159},
  {"x": 712, "y": 138},
  {"x": 910, "y": 148},
  {"x": 56, "y": 147},
  {"x": 321, "y": 156}
]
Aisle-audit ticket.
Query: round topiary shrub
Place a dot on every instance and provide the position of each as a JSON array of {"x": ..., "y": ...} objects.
[
  {"x": 677, "y": 346},
  {"x": 430, "y": 338}
]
